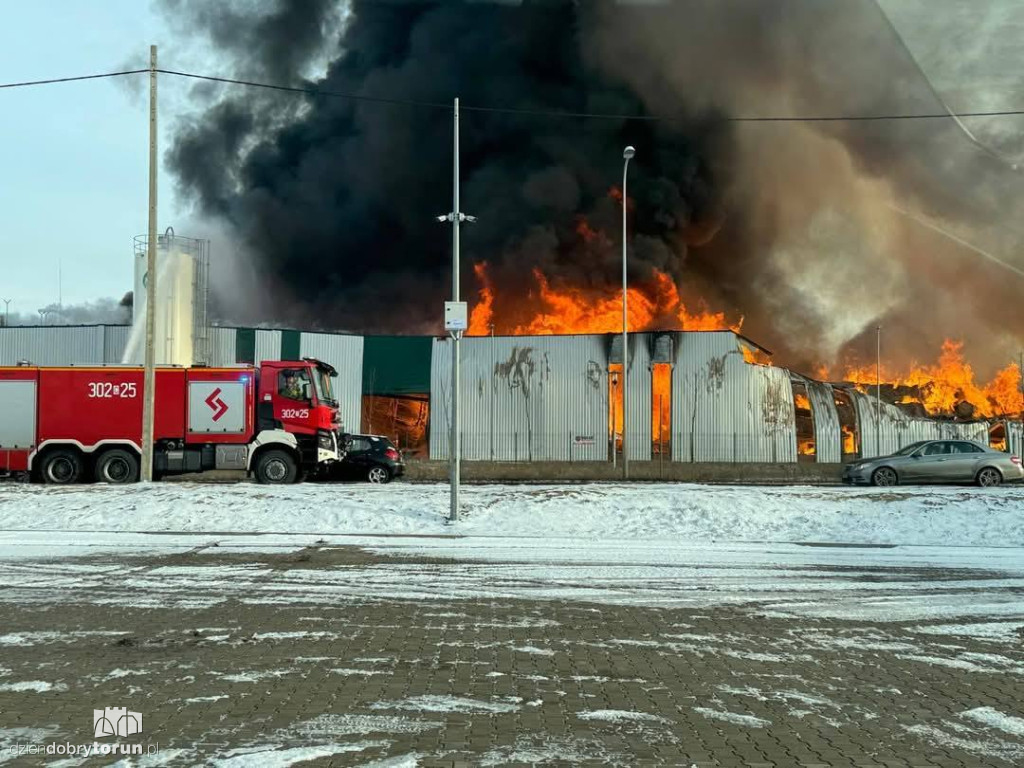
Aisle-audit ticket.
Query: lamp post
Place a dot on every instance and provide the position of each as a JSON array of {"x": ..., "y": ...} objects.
[
  {"x": 878, "y": 390},
  {"x": 455, "y": 218},
  {"x": 627, "y": 155},
  {"x": 7, "y": 311}
]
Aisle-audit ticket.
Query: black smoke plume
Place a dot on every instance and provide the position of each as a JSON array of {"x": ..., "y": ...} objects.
[{"x": 800, "y": 227}]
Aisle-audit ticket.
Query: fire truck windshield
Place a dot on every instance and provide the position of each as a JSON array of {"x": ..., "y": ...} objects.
[{"x": 322, "y": 381}]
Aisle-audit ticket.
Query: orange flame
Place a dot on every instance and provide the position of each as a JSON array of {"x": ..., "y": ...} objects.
[
  {"x": 947, "y": 383},
  {"x": 849, "y": 439},
  {"x": 661, "y": 404},
  {"x": 557, "y": 309},
  {"x": 483, "y": 312},
  {"x": 802, "y": 403}
]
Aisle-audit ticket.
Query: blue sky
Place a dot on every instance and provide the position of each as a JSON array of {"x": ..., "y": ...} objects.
[{"x": 74, "y": 156}]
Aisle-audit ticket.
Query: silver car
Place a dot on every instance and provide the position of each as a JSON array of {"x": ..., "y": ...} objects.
[{"x": 937, "y": 461}]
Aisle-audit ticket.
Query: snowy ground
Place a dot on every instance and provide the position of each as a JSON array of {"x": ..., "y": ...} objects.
[
  {"x": 552, "y": 625},
  {"x": 688, "y": 513}
]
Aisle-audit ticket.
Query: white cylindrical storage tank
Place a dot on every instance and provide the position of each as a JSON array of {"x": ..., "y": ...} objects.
[{"x": 174, "y": 322}]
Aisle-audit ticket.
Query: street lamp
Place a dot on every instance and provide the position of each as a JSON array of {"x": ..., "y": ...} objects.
[{"x": 627, "y": 155}]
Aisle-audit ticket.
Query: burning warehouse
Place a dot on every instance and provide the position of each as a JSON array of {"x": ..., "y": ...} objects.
[{"x": 694, "y": 396}]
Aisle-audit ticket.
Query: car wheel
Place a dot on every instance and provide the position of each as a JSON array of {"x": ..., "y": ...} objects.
[
  {"x": 117, "y": 467},
  {"x": 378, "y": 475},
  {"x": 884, "y": 477},
  {"x": 989, "y": 477},
  {"x": 61, "y": 467},
  {"x": 276, "y": 468}
]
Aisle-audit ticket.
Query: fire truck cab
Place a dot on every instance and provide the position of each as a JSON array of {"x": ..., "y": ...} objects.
[{"x": 277, "y": 421}]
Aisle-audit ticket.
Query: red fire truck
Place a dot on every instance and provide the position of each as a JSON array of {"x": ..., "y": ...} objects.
[{"x": 278, "y": 421}]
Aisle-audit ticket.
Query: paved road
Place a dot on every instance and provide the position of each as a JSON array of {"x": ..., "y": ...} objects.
[{"x": 425, "y": 651}]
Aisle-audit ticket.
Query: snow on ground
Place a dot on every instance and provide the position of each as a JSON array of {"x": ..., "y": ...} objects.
[
  {"x": 996, "y": 719},
  {"x": 949, "y": 554},
  {"x": 621, "y": 715},
  {"x": 33, "y": 686},
  {"x": 448, "y": 704},
  {"x": 687, "y": 512},
  {"x": 732, "y": 717}
]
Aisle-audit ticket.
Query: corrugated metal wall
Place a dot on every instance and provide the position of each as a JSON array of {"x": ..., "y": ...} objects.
[
  {"x": 346, "y": 354},
  {"x": 115, "y": 340},
  {"x": 724, "y": 409},
  {"x": 268, "y": 346},
  {"x": 828, "y": 439},
  {"x": 524, "y": 399},
  {"x": 887, "y": 430},
  {"x": 639, "y": 427},
  {"x": 222, "y": 346},
  {"x": 53, "y": 345},
  {"x": 1015, "y": 437}
]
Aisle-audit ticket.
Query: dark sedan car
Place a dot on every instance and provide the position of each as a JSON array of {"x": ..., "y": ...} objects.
[
  {"x": 369, "y": 457},
  {"x": 937, "y": 461}
]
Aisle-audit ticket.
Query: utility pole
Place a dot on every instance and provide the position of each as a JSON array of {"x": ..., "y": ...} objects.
[
  {"x": 149, "y": 378},
  {"x": 1020, "y": 381},
  {"x": 878, "y": 390},
  {"x": 456, "y": 478},
  {"x": 492, "y": 391},
  {"x": 455, "y": 324},
  {"x": 627, "y": 155}
]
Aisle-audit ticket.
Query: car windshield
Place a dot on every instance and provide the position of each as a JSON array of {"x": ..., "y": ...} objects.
[
  {"x": 909, "y": 449},
  {"x": 324, "y": 392}
]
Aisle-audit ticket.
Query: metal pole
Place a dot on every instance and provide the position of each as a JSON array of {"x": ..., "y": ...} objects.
[
  {"x": 492, "y": 391},
  {"x": 7, "y": 311},
  {"x": 615, "y": 460},
  {"x": 453, "y": 514},
  {"x": 149, "y": 378},
  {"x": 627, "y": 155},
  {"x": 1020, "y": 373},
  {"x": 661, "y": 437},
  {"x": 878, "y": 390}
]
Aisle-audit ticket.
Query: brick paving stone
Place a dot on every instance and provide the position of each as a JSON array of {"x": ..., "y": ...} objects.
[{"x": 619, "y": 687}]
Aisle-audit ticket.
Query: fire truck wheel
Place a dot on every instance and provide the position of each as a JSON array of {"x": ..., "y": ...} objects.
[
  {"x": 61, "y": 467},
  {"x": 276, "y": 468},
  {"x": 117, "y": 467}
]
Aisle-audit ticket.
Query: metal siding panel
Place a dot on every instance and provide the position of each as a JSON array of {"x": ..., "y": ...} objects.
[
  {"x": 268, "y": 346},
  {"x": 222, "y": 346},
  {"x": 523, "y": 398},
  {"x": 345, "y": 353},
  {"x": 638, "y": 413},
  {"x": 896, "y": 429},
  {"x": 726, "y": 410},
  {"x": 828, "y": 438},
  {"x": 52, "y": 345},
  {"x": 1015, "y": 437},
  {"x": 115, "y": 341}
]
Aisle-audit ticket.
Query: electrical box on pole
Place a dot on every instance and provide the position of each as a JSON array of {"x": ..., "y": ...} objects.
[{"x": 456, "y": 316}]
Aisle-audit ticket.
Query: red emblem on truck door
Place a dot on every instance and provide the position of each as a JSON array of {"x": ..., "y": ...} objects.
[{"x": 218, "y": 406}]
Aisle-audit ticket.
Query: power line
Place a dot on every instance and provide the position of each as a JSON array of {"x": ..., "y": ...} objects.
[
  {"x": 594, "y": 115},
  {"x": 71, "y": 79},
  {"x": 532, "y": 112},
  {"x": 309, "y": 91}
]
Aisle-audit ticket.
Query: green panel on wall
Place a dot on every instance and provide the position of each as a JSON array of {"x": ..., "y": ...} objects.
[
  {"x": 396, "y": 365},
  {"x": 245, "y": 345},
  {"x": 291, "y": 344}
]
